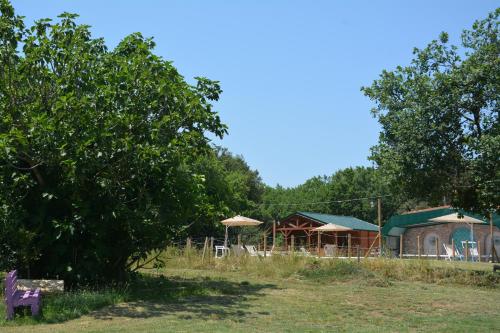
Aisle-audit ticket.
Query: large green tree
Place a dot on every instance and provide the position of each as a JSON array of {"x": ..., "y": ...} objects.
[
  {"x": 440, "y": 121},
  {"x": 96, "y": 149}
]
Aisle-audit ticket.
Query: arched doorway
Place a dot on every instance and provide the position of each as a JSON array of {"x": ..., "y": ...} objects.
[
  {"x": 430, "y": 243},
  {"x": 460, "y": 235}
]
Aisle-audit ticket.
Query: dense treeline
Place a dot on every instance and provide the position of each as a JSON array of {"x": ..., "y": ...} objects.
[{"x": 350, "y": 192}]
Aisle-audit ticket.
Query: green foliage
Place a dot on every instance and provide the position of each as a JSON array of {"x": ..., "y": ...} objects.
[
  {"x": 361, "y": 182},
  {"x": 97, "y": 149},
  {"x": 279, "y": 202},
  {"x": 230, "y": 188},
  {"x": 321, "y": 195},
  {"x": 440, "y": 120}
]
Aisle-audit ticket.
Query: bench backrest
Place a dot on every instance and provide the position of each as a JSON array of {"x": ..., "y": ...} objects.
[{"x": 10, "y": 285}]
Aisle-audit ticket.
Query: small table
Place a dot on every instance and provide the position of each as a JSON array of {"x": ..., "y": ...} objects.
[{"x": 224, "y": 251}]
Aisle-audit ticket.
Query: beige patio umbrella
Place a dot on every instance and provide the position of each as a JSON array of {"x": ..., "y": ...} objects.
[
  {"x": 238, "y": 221},
  {"x": 330, "y": 227},
  {"x": 455, "y": 218}
]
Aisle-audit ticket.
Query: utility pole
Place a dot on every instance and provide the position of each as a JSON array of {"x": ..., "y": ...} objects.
[
  {"x": 274, "y": 234},
  {"x": 379, "y": 213},
  {"x": 494, "y": 254}
]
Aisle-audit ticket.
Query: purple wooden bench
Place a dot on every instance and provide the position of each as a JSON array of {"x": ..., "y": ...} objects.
[{"x": 16, "y": 298}]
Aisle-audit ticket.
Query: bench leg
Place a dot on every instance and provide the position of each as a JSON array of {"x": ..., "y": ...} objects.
[
  {"x": 10, "y": 312},
  {"x": 35, "y": 309}
]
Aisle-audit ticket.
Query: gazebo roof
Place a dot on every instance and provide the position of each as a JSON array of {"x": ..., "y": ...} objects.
[{"x": 345, "y": 221}]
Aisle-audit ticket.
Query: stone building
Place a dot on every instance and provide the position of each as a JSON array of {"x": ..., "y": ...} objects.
[{"x": 434, "y": 227}]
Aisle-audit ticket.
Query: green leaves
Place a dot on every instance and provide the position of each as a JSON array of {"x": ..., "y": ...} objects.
[
  {"x": 108, "y": 136},
  {"x": 434, "y": 114}
]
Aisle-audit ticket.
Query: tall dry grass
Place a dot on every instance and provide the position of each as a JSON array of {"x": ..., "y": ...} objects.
[{"x": 381, "y": 271}]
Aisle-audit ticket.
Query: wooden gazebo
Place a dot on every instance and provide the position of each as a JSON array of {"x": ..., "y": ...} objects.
[{"x": 301, "y": 226}]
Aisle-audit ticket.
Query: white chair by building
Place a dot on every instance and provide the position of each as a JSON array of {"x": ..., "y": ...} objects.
[{"x": 221, "y": 251}]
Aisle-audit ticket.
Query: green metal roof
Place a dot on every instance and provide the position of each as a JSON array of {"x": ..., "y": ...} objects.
[
  {"x": 345, "y": 221},
  {"x": 398, "y": 223}
]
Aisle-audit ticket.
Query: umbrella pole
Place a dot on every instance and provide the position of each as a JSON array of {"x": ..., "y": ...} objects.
[{"x": 225, "y": 238}]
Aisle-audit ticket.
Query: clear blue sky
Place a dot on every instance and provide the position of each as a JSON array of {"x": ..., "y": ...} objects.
[{"x": 291, "y": 71}]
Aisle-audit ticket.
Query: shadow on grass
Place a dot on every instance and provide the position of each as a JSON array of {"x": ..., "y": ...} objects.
[
  {"x": 214, "y": 299},
  {"x": 148, "y": 297}
]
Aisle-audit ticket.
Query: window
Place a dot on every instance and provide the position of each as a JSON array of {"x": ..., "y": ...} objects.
[{"x": 430, "y": 241}]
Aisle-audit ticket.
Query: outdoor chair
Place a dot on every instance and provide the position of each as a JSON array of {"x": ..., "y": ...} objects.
[
  {"x": 238, "y": 250},
  {"x": 304, "y": 252},
  {"x": 459, "y": 254},
  {"x": 330, "y": 250},
  {"x": 224, "y": 251},
  {"x": 251, "y": 250},
  {"x": 448, "y": 252},
  {"x": 474, "y": 254}
]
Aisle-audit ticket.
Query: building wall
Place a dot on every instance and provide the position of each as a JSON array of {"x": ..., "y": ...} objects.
[{"x": 443, "y": 232}]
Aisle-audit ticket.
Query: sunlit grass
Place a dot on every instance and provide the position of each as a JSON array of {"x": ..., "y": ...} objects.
[{"x": 280, "y": 294}]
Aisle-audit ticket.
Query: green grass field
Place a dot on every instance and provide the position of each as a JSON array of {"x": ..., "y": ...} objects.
[{"x": 284, "y": 295}]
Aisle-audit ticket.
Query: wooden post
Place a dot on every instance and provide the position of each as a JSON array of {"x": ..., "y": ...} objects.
[
  {"x": 292, "y": 244},
  {"x": 265, "y": 244},
  {"x": 453, "y": 248},
  {"x": 319, "y": 243},
  {"x": 401, "y": 246},
  {"x": 188, "y": 243},
  {"x": 371, "y": 246},
  {"x": 308, "y": 241},
  {"x": 357, "y": 252},
  {"x": 349, "y": 246},
  {"x": 467, "y": 250},
  {"x": 211, "y": 244},
  {"x": 437, "y": 248},
  {"x": 418, "y": 246},
  {"x": 274, "y": 234},
  {"x": 204, "y": 249},
  {"x": 285, "y": 245},
  {"x": 239, "y": 241},
  {"x": 493, "y": 252},
  {"x": 479, "y": 250},
  {"x": 379, "y": 215}
]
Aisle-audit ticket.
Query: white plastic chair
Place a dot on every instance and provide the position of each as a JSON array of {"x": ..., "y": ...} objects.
[
  {"x": 304, "y": 252},
  {"x": 474, "y": 254},
  {"x": 224, "y": 251},
  {"x": 449, "y": 252},
  {"x": 251, "y": 250},
  {"x": 238, "y": 250}
]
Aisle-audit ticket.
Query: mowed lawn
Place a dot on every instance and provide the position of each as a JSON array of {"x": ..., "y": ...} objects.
[{"x": 234, "y": 300}]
